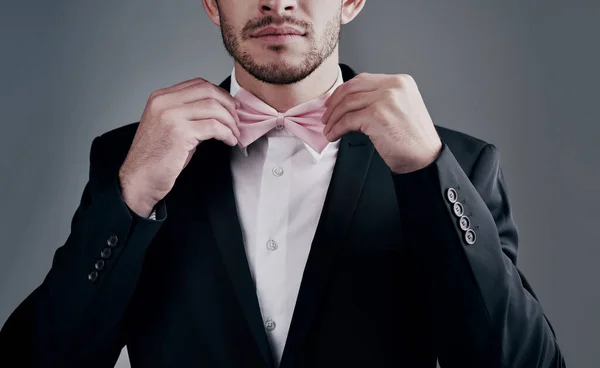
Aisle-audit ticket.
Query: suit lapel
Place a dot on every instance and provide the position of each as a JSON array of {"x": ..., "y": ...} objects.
[
  {"x": 354, "y": 158},
  {"x": 350, "y": 171},
  {"x": 220, "y": 203}
]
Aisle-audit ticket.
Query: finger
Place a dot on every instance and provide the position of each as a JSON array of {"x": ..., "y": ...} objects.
[
  {"x": 213, "y": 129},
  {"x": 207, "y": 109},
  {"x": 361, "y": 83},
  {"x": 198, "y": 92},
  {"x": 353, "y": 102},
  {"x": 350, "y": 122},
  {"x": 185, "y": 84},
  {"x": 179, "y": 86}
]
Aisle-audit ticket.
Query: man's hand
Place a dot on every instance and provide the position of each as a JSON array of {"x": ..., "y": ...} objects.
[
  {"x": 390, "y": 110},
  {"x": 174, "y": 122}
]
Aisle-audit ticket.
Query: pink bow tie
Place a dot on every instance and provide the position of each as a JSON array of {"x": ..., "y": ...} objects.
[{"x": 304, "y": 120}]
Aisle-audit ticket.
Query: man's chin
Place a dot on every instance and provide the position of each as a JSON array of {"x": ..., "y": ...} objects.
[
  {"x": 279, "y": 74},
  {"x": 286, "y": 58},
  {"x": 282, "y": 67}
]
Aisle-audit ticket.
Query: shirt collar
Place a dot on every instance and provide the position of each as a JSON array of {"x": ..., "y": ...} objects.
[{"x": 235, "y": 87}]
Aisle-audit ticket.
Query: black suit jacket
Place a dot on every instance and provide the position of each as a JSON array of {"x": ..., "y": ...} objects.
[{"x": 391, "y": 279}]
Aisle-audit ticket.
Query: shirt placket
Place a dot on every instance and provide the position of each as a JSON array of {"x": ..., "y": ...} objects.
[{"x": 271, "y": 239}]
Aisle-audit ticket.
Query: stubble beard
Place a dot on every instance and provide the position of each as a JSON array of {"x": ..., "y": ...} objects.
[{"x": 279, "y": 71}]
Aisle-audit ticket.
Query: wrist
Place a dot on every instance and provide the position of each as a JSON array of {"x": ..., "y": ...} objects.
[
  {"x": 424, "y": 161},
  {"x": 140, "y": 204}
]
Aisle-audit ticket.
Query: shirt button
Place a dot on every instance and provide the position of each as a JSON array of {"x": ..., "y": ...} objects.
[
  {"x": 278, "y": 171},
  {"x": 272, "y": 245},
  {"x": 270, "y": 325}
]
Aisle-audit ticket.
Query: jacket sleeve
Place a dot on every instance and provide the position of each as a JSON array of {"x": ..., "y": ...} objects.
[
  {"x": 75, "y": 317},
  {"x": 485, "y": 313}
]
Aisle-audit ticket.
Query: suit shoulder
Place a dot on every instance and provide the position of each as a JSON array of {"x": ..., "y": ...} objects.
[
  {"x": 112, "y": 146},
  {"x": 459, "y": 140},
  {"x": 121, "y": 135},
  {"x": 465, "y": 148},
  {"x": 119, "y": 138}
]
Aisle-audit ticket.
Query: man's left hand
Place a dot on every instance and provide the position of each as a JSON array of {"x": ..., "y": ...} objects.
[{"x": 390, "y": 110}]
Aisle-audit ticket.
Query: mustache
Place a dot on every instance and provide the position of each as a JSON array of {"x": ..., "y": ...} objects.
[{"x": 256, "y": 24}]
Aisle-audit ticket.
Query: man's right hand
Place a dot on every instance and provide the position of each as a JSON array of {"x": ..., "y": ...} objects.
[{"x": 176, "y": 119}]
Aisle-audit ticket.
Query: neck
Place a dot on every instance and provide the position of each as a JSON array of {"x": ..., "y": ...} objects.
[{"x": 284, "y": 97}]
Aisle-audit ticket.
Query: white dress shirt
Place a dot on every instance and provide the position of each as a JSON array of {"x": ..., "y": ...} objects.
[{"x": 280, "y": 185}]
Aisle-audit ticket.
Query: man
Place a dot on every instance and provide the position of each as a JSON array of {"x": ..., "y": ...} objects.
[{"x": 316, "y": 218}]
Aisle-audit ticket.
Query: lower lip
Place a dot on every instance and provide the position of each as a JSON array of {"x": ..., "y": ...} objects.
[{"x": 279, "y": 38}]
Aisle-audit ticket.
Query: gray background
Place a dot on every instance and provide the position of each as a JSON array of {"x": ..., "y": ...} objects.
[{"x": 520, "y": 74}]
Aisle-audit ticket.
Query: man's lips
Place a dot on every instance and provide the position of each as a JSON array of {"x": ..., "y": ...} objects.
[{"x": 278, "y": 31}]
